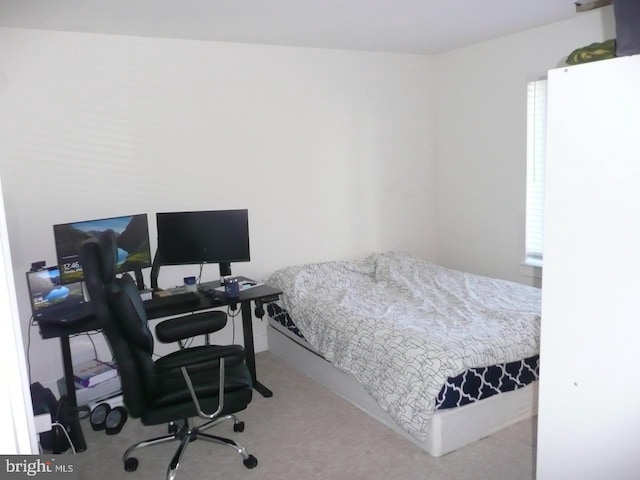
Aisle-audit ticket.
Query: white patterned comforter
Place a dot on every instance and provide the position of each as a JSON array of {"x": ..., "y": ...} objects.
[{"x": 402, "y": 325}]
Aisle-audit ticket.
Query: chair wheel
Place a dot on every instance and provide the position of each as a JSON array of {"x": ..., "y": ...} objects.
[
  {"x": 173, "y": 427},
  {"x": 250, "y": 462},
  {"x": 131, "y": 464},
  {"x": 238, "y": 427}
]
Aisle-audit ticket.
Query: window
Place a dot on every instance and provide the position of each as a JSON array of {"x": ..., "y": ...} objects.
[{"x": 536, "y": 153}]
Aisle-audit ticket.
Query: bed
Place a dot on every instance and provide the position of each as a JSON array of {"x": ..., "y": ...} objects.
[{"x": 442, "y": 357}]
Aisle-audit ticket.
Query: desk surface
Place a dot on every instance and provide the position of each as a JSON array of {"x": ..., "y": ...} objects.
[{"x": 91, "y": 322}]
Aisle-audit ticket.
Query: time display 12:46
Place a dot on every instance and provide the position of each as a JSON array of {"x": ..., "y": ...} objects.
[{"x": 71, "y": 266}]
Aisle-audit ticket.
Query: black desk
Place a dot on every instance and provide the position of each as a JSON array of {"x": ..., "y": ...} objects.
[{"x": 257, "y": 293}]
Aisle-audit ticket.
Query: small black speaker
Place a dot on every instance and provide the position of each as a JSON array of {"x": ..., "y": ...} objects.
[{"x": 627, "y": 15}]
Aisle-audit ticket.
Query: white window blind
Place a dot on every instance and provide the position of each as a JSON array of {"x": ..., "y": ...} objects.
[{"x": 536, "y": 153}]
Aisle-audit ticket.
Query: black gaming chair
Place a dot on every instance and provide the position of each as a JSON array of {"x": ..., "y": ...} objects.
[{"x": 176, "y": 387}]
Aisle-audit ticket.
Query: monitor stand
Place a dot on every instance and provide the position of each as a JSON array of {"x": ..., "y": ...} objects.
[
  {"x": 155, "y": 270},
  {"x": 225, "y": 271},
  {"x": 139, "y": 279}
]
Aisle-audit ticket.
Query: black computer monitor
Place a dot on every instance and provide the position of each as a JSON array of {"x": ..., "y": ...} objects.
[
  {"x": 213, "y": 236},
  {"x": 132, "y": 233}
]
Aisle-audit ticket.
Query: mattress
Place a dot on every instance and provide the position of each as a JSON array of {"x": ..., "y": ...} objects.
[
  {"x": 418, "y": 337},
  {"x": 471, "y": 386},
  {"x": 450, "y": 429}
]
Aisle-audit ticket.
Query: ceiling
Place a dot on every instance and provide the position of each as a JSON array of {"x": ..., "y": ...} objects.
[{"x": 410, "y": 26}]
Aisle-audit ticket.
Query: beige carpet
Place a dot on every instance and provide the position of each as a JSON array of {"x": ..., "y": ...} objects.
[{"x": 307, "y": 432}]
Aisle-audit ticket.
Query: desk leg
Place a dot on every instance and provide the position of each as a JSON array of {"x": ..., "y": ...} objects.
[
  {"x": 250, "y": 355},
  {"x": 75, "y": 431}
]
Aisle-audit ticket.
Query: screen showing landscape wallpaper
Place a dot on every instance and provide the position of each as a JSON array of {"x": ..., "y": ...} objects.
[
  {"x": 46, "y": 290},
  {"x": 132, "y": 234}
]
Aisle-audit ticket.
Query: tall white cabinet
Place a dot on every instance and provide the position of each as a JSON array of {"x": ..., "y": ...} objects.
[{"x": 589, "y": 408}]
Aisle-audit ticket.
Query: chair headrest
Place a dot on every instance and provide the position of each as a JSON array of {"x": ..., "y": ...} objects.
[{"x": 98, "y": 256}]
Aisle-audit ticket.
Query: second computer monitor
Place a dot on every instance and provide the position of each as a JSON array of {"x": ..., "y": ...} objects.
[{"x": 212, "y": 236}]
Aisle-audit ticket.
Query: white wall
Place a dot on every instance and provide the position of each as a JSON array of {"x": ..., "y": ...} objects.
[
  {"x": 16, "y": 410},
  {"x": 331, "y": 151},
  {"x": 481, "y": 141},
  {"x": 589, "y": 423}
]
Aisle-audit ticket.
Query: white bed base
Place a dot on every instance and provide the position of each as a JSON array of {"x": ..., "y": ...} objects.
[{"x": 450, "y": 429}]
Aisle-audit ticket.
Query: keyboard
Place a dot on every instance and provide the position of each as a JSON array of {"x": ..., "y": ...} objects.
[{"x": 171, "y": 300}]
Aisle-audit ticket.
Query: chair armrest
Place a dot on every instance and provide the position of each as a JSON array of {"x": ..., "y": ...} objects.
[
  {"x": 201, "y": 358},
  {"x": 188, "y": 326}
]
